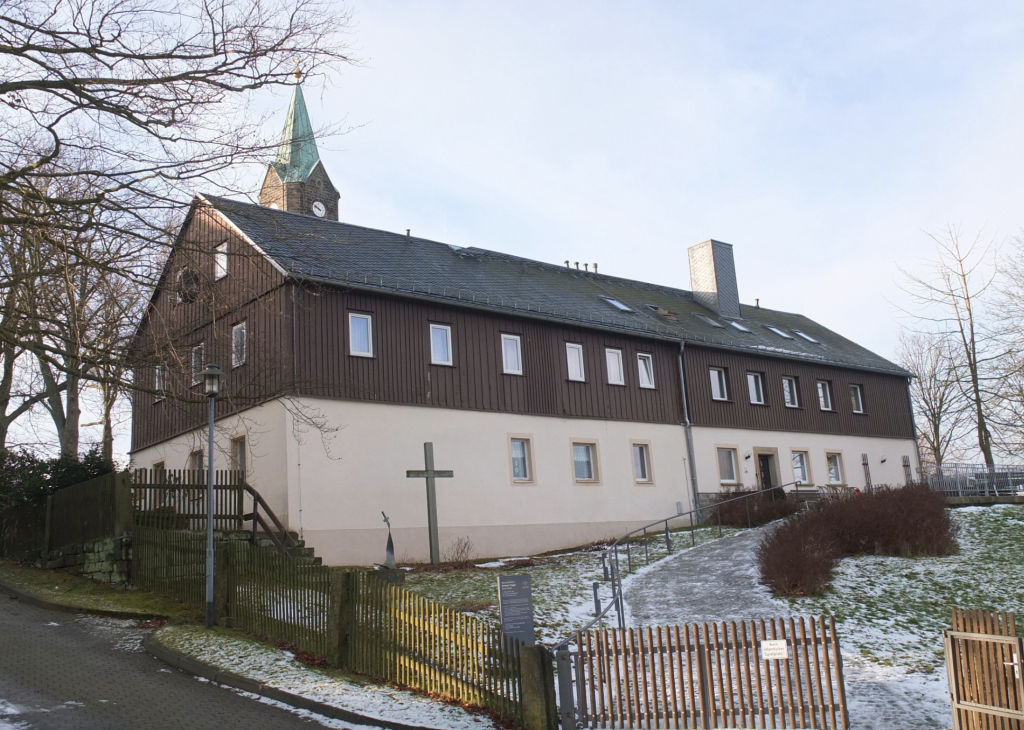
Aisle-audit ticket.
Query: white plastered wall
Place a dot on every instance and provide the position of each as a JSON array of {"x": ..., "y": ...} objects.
[
  {"x": 266, "y": 467},
  {"x": 332, "y": 486},
  {"x": 748, "y": 443}
]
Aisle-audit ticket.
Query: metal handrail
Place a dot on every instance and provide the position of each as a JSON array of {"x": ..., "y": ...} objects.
[{"x": 610, "y": 556}]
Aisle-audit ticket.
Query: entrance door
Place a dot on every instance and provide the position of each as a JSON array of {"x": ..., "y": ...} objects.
[{"x": 764, "y": 470}]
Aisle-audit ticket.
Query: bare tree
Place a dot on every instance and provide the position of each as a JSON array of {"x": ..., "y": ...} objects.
[
  {"x": 951, "y": 300},
  {"x": 1008, "y": 315},
  {"x": 942, "y": 412}
]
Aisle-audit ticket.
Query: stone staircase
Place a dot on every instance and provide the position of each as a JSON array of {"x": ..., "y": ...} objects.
[{"x": 300, "y": 553}]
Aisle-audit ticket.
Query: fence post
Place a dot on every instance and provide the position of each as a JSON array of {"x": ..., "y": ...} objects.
[
  {"x": 122, "y": 497},
  {"x": 45, "y": 548},
  {"x": 223, "y": 572},
  {"x": 567, "y": 707},
  {"x": 539, "y": 709},
  {"x": 341, "y": 617}
]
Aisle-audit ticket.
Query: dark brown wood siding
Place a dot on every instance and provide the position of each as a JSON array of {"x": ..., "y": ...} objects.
[
  {"x": 400, "y": 370},
  {"x": 253, "y": 292},
  {"x": 886, "y": 406}
]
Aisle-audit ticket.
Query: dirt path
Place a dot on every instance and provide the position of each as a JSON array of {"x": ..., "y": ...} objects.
[{"x": 718, "y": 582}]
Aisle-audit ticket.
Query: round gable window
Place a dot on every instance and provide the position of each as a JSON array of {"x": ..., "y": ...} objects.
[{"x": 188, "y": 286}]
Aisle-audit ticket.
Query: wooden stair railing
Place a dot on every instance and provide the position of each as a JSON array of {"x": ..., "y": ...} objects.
[{"x": 281, "y": 538}]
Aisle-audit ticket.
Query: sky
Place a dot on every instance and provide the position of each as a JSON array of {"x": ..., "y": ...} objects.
[{"x": 823, "y": 140}]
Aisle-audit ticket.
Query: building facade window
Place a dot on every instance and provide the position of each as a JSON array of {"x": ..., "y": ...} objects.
[
  {"x": 160, "y": 378},
  {"x": 613, "y": 360},
  {"x": 856, "y": 399},
  {"x": 522, "y": 469},
  {"x": 197, "y": 363},
  {"x": 441, "y": 344},
  {"x": 719, "y": 387},
  {"x": 825, "y": 395},
  {"x": 645, "y": 364},
  {"x": 584, "y": 460},
  {"x": 801, "y": 475},
  {"x": 220, "y": 261},
  {"x": 360, "y": 335},
  {"x": 512, "y": 354},
  {"x": 642, "y": 463},
  {"x": 727, "y": 466},
  {"x": 835, "y": 468},
  {"x": 790, "y": 392},
  {"x": 755, "y": 387},
  {"x": 239, "y": 460},
  {"x": 239, "y": 344},
  {"x": 574, "y": 359},
  {"x": 195, "y": 464}
]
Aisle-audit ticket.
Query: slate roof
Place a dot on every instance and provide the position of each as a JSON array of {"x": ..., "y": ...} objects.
[{"x": 336, "y": 253}]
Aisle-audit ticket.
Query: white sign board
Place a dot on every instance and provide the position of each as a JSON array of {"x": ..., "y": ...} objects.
[{"x": 774, "y": 649}]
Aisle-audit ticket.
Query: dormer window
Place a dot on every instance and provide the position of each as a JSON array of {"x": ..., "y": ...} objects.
[
  {"x": 617, "y": 304},
  {"x": 779, "y": 332}
]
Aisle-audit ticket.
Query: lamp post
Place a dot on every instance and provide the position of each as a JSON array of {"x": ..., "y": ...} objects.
[{"x": 211, "y": 384}]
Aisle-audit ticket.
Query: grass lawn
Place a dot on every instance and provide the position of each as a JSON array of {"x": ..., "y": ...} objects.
[
  {"x": 894, "y": 609},
  {"x": 74, "y": 590}
]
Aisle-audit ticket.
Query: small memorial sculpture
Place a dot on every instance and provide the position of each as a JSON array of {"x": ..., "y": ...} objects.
[{"x": 389, "y": 570}]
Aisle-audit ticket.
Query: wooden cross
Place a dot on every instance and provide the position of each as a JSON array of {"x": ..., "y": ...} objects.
[{"x": 430, "y": 474}]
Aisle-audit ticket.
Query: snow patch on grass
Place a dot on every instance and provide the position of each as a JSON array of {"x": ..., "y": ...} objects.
[{"x": 278, "y": 668}]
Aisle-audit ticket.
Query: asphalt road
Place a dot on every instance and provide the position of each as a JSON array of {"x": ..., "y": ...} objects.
[{"x": 58, "y": 670}]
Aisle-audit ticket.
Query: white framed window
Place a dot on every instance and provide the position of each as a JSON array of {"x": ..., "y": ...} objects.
[
  {"x": 856, "y": 399},
  {"x": 220, "y": 261},
  {"x": 645, "y": 364},
  {"x": 790, "y": 393},
  {"x": 440, "y": 344},
  {"x": 160, "y": 378},
  {"x": 512, "y": 354},
  {"x": 642, "y": 462},
  {"x": 755, "y": 387},
  {"x": 195, "y": 464},
  {"x": 800, "y": 473},
  {"x": 584, "y": 462},
  {"x": 522, "y": 469},
  {"x": 197, "y": 364},
  {"x": 739, "y": 326},
  {"x": 360, "y": 335},
  {"x": 835, "y": 468},
  {"x": 613, "y": 359},
  {"x": 719, "y": 388},
  {"x": 779, "y": 332},
  {"x": 574, "y": 358},
  {"x": 617, "y": 304},
  {"x": 806, "y": 336},
  {"x": 727, "y": 466},
  {"x": 825, "y": 395},
  {"x": 239, "y": 461},
  {"x": 239, "y": 344}
]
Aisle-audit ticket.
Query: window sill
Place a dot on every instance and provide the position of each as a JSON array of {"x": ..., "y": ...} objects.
[
  {"x": 859, "y": 413},
  {"x": 506, "y": 372},
  {"x": 648, "y": 387},
  {"x": 524, "y": 483},
  {"x": 619, "y": 385},
  {"x": 763, "y": 405},
  {"x": 794, "y": 408},
  {"x": 588, "y": 482},
  {"x": 367, "y": 355},
  {"x": 573, "y": 380},
  {"x": 443, "y": 364},
  {"x": 646, "y": 483}
]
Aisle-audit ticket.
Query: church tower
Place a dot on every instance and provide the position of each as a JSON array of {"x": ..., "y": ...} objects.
[{"x": 297, "y": 181}]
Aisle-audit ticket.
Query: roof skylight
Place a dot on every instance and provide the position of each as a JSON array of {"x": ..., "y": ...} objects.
[
  {"x": 617, "y": 304},
  {"x": 707, "y": 320},
  {"x": 660, "y": 310},
  {"x": 738, "y": 326},
  {"x": 779, "y": 332},
  {"x": 806, "y": 337}
]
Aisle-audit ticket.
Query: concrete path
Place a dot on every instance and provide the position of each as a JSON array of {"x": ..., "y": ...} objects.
[
  {"x": 718, "y": 581},
  {"x": 58, "y": 670}
]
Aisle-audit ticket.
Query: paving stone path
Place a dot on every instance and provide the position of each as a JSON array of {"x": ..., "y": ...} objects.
[
  {"x": 718, "y": 581},
  {"x": 60, "y": 671}
]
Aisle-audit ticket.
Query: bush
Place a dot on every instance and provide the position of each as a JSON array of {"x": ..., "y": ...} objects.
[
  {"x": 762, "y": 507},
  {"x": 798, "y": 557},
  {"x": 27, "y": 479}
]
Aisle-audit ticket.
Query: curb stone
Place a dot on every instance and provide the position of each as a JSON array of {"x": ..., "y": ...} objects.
[
  {"x": 20, "y": 595},
  {"x": 229, "y": 679}
]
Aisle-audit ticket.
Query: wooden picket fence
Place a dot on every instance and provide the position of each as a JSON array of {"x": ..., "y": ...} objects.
[
  {"x": 176, "y": 499},
  {"x": 985, "y": 666},
  {"x": 411, "y": 640},
  {"x": 711, "y": 676}
]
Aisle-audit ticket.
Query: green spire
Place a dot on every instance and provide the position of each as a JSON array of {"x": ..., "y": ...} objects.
[{"x": 297, "y": 155}]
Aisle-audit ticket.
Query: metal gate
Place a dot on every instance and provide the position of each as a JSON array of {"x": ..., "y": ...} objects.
[
  {"x": 785, "y": 673},
  {"x": 986, "y": 680}
]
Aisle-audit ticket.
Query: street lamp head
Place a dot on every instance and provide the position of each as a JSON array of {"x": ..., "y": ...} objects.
[{"x": 211, "y": 380}]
